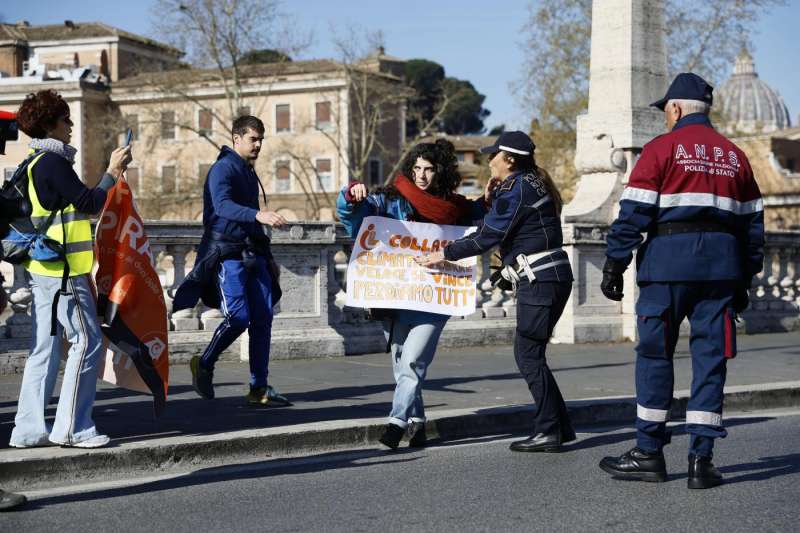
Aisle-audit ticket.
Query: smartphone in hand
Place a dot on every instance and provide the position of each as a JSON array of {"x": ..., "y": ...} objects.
[{"x": 128, "y": 137}]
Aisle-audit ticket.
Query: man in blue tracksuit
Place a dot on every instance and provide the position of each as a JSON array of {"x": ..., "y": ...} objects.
[
  {"x": 234, "y": 270},
  {"x": 693, "y": 192}
]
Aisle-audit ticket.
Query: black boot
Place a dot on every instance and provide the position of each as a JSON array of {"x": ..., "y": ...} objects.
[
  {"x": 419, "y": 438},
  {"x": 541, "y": 442},
  {"x": 702, "y": 473},
  {"x": 391, "y": 436},
  {"x": 636, "y": 464}
]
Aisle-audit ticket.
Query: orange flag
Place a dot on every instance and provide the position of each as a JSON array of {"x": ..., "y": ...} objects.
[{"x": 130, "y": 301}]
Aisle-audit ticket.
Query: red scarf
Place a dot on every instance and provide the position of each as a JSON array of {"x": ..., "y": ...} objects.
[{"x": 450, "y": 210}]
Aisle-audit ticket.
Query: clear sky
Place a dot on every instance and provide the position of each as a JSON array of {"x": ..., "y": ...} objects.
[{"x": 475, "y": 40}]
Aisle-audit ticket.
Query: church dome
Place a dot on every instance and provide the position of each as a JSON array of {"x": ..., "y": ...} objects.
[{"x": 748, "y": 104}]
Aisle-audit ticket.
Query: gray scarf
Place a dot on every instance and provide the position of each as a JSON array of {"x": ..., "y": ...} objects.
[{"x": 57, "y": 147}]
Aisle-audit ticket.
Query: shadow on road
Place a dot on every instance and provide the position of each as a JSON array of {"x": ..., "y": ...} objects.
[
  {"x": 605, "y": 438},
  {"x": 205, "y": 476},
  {"x": 763, "y": 469}
]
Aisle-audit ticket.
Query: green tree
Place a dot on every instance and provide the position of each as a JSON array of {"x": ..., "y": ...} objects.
[
  {"x": 425, "y": 78},
  {"x": 265, "y": 55},
  {"x": 465, "y": 112},
  {"x": 497, "y": 130},
  {"x": 447, "y": 104},
  {"x": 703, "y": 37}
]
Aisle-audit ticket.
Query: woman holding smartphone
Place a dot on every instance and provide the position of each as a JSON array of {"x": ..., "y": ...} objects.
[{"x": 55, "y": 187}]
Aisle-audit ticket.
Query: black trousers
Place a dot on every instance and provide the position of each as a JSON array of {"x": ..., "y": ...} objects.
[{"x": 539, "y": 306}]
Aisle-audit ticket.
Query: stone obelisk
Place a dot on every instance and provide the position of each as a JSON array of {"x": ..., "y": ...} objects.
[{"x": 628, "y": 71}]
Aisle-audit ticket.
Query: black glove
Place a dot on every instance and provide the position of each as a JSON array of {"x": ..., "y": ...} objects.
[
  {"x": 497, "y": 280},
  {"x": 612, "y": 279},
  {"x": 741, "y": 299}
]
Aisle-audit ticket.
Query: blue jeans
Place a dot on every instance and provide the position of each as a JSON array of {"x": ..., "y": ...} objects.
[
  {"x": 413, "y": 347},
  {"x": 77, "y": 322},
  {"x": 246, "y": 297}
]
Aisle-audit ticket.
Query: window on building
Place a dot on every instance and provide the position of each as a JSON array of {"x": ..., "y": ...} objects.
[
  {"x": 132, "y": 175},
  {"x": 283, "y": 118},
  {"x": 374, "y": 172},
  {"x": 168, "y": 179},
  {"x": 205, "y": 121},
  {"x": 168, "y": 124},
  {"x": 460, "y": 156},
  {"x": 324, "y": 174},
  {"x": 244, "y": 111},
  {"x": 202, "y": 172},
  {"x": 132, "y": 122},
  {"x": 323, "y": 114},
  {"x": 283, "y": 176}
]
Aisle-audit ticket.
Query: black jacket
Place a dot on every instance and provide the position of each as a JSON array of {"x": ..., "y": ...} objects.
[{"x": 201, "y": 283}]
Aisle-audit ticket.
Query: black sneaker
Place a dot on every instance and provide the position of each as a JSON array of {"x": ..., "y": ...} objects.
[
  {"x": 391, "y": 436},
  {"x": 418, "y": 438},
  {"x": 202, "y": 379},
  {"x": 637, "y": 465},
  {"x": 702, "y": 473}
]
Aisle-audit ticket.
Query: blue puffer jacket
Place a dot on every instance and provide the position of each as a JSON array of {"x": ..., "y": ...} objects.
[{"x": 377, "y": 204}]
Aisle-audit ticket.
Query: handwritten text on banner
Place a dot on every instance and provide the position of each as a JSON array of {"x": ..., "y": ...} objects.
[{"x": 382, "y": 272}]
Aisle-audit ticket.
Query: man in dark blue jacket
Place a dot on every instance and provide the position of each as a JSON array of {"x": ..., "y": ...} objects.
[
  {"x": 693, "y": 192},
  {"x": 235, "y": 258}
]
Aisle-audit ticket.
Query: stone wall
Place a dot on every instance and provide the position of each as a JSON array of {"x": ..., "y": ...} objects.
[{"x": 312, "y": 321}]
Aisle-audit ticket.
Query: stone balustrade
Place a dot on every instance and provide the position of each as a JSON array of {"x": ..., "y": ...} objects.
[{"x": 312, "y": 321}]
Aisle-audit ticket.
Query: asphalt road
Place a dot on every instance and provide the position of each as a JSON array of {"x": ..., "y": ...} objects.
[{"x": 473, "y": 485}]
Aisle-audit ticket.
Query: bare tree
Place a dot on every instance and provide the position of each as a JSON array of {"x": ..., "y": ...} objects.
[
  {"x": 216, "y": 83},
  {"x": 216, "y": 35},
  {"x": 702, "y": 37}
]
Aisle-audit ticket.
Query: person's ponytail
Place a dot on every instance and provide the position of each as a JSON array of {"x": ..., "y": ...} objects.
[{"x": 551, "y": 187}]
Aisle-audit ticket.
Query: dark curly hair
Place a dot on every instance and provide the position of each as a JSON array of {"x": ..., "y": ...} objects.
[
  {"x": 442, "y": 155},
  {"x": 40, "y": 112}
]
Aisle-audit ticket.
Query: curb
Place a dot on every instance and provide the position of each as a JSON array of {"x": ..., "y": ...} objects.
[{"x": 31, "y": 468}]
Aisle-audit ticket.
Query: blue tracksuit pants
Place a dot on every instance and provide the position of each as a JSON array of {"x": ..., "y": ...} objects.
[
  {"x": 246, "y": 297},
  {"x": 660, "y": 310}
]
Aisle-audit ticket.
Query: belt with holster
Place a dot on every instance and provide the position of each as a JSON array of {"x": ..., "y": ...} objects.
[
  {"x": 698, "y": 226},
  {"x": 509, "y": 276}
]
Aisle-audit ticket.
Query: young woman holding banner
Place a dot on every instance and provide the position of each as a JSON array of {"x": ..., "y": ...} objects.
[{"x": 424, "y": 191}]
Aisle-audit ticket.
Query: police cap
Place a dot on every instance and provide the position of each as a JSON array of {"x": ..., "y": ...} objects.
[
  {"x": 687, "y": 86},
  {"x": 515, "y": 142}
]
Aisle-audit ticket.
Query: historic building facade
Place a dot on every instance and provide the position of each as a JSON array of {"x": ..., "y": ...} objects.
[{"x": 326, "y": 122}]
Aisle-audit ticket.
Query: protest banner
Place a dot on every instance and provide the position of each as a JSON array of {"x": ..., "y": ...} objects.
[
  {"x": 130, "y": 303},
  {"x": 382, "y": 272}
]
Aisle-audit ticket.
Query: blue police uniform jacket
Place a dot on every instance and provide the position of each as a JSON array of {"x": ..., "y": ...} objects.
[
  {"x": 691, "y": 174},
  {"x": 378, "y": 204},
  {"x": 230, "y": 205},
  {"x": 522, "y": 220}
]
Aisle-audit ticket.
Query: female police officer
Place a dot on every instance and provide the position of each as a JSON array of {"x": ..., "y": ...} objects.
[{"x": 524, "y": 220}]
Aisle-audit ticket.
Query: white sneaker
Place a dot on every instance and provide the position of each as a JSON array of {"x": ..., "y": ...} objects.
[
  {"x": 44, "y": 442},
  {"x": 98, "y": 441}
]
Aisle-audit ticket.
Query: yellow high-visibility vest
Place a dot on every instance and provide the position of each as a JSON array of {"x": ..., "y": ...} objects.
[{"x": 76, "y": 226}]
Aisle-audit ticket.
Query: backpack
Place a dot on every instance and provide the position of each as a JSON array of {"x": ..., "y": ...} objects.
[{"x": 23, "y": 240}]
